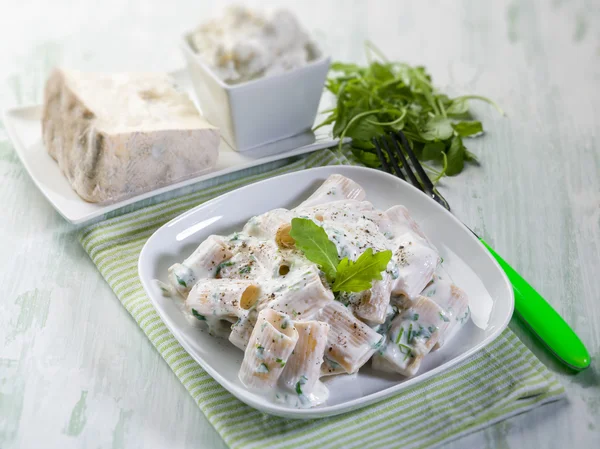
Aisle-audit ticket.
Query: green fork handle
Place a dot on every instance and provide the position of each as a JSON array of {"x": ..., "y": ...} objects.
[{"x": 545, "y": 322}]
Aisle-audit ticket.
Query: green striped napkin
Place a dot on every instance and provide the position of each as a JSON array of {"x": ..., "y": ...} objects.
[{"x": 500, "y": 381}]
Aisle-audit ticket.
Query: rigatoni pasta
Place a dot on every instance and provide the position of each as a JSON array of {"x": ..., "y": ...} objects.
[
  {"x": 222, "y": 298},
  {"x": 304, "y": 296},
  {"x": 336, "y": 187},
  {"x": 412, "y": 334},
  {"x": 303, "y": 369},
  {"x": 350, "y": 342},
  {"x": 203, "y": 263},
  {"x": 451, "y": 299},
  {"x": 241, "y": 331},
  {"x": 373, "y": 304},
  {"x": 297, "y": 329},
  {"x": 271, "y": 344}
]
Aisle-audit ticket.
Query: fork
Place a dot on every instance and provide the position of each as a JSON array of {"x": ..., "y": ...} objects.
[{"x": 541, "y": 318}]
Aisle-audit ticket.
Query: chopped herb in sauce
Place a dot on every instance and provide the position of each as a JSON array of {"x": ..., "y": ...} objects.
[
  {"x": 332, "y": 363},
  {"x": 260, "y": 351},
  {"x": 198, "y": 316},
  {"x": 415, "y": 317},
  {"x": 463, "y": 318},
  {"x": 180, "y": 281},
  {"x": 379, "y": 344},
  {"x": 422, "y": 333},
  {"x": 281, "y": 362},
  {"x": 404, "y": 349},
  {"x": 300, "y": 384},
  {"x": 444, "y": 317},
  {"x": 262, "y": 368},
  {"x": 245, "y": 269},
  {"x": 222, "y": 265},
  {"x": 399, "y": 335},
  {"x": 166, "y": 291}
]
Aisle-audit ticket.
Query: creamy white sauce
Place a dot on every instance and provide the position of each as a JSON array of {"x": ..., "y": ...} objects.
[
  {"x": 286, "y": 278},
  {"x": 245, "y": 44},
  {"x": 317, "y": 396}
]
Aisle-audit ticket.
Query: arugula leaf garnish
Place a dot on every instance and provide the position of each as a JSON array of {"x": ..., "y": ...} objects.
[
  {"x": 344, "y": 275},
  {"x": 357, "y": 276},
  {"x": 313, "y": 241}
]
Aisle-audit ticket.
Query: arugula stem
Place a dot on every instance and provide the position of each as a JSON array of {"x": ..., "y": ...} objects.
[
  {"x": 368, "y": 54},
  {"x": 398, "y": 120},
  {"x": 325, "y": 122},
  {"x": 354, "y": 119},
  {"x": 371, "y": 46},
  {"x": 439, "y": 102},
  {"x": 422, "y": 78},
  {"x": 430, "y": 168},
  {"x": 482, "y": 98},
  {"x": 412, "y": 136},
  {"x": 444, "y": 168},
  {"x": 433, "y": 103}
]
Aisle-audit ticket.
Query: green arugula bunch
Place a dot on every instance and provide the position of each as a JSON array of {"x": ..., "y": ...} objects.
[
  {"x": 387, "y": 96},
  {"x": 344, "y": 275}
]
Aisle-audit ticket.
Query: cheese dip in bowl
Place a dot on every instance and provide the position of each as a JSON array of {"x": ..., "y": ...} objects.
[
  {"x": 244, "y": 44},
  {"x": 258, "y": 75}
]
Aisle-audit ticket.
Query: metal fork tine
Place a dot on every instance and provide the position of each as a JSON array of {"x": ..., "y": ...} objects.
[
  {"x": 392, "y": 159},
  {"x": 429, "y": 187},
  {"x": 415, "y": 162},
  {"x": 380, "y": 155},
  {"x": 407, "y": 169}
]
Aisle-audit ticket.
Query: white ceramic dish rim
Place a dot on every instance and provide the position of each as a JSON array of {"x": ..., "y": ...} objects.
[
  {"x": 353, "y": 404},
  {"x": 187, "y": 47},
  {"x": 102, "y": 209}
]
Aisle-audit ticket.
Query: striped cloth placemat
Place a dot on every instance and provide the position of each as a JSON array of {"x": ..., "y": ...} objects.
[{"x": 500, "y": 381}]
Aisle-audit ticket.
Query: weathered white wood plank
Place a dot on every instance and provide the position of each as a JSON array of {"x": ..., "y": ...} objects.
[{"x": 76, "y": 371}]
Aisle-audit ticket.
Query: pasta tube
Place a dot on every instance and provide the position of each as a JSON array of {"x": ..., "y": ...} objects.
[
  {"x": 201, "y": 264},
  {"x": 373, "y": 304},
  {"x": 411, "y": 336},
  {"x": 271, "y": 344},
  {"x": 303, "y": 368},
  {"x": 222, "y": 298},
  {"x": 350, "y": 342},
  {"x": 302, "y": 295},
  {"x": 336, "y": 187}
]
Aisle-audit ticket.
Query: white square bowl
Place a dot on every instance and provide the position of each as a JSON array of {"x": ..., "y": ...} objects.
[
  {"x": 260, "y": 111},
  {"x": 465, "y": 259}
]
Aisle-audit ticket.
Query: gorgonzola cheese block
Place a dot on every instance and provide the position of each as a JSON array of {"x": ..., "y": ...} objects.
[{"x": 118, "y": 135}]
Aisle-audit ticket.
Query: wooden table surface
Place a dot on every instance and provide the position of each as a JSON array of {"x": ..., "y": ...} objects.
[{"x": 75, "y": 369}]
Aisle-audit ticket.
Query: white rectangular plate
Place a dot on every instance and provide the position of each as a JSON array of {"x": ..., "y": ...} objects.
[
  {"x": 466, "y": 260},
  {"x": 25, "y": 130}
]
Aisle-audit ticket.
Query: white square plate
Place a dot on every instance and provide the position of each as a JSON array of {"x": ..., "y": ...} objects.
[
  {"x": 465, "y": 259},
  {"x": 25, "y": 130}
]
